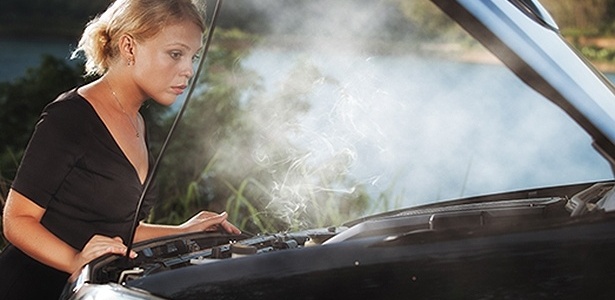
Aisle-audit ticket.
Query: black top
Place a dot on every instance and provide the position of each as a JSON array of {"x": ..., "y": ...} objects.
[{"x": 74, "y": 169}]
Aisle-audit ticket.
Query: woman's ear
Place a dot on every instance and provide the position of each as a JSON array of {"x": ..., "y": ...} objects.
[{"x": 126, "y": 45}]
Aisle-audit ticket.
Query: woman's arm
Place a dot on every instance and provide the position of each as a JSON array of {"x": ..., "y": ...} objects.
[
  {"x": 23, "y": 229},
  {"x": 203, "y": 221}
]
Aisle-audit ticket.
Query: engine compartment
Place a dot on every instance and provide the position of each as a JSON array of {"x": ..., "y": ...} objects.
[
  {"x": 445, "y": 221},
  {"x": 197, "y": 249},
  {"x": 496, "y": 234}
]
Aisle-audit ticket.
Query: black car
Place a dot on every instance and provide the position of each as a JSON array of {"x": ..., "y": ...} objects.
[{"x": 549, "y": 243}]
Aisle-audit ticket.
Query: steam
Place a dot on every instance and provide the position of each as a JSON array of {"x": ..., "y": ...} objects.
[
  {"x": 325, "y": 140},
  {"x": 340, "y": 119}
]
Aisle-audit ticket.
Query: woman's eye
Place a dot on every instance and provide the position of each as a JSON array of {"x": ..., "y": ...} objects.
[
  {"x": 196, "y": 58},
  {"x": 176, "y": 54}
]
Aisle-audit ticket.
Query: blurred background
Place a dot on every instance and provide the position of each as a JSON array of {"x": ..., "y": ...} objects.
[{"x": 312, "y": 113}]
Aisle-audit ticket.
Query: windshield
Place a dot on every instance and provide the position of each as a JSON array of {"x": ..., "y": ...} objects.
[{"x": 413, "y": 116}]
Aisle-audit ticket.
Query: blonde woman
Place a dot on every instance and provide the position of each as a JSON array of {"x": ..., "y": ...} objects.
[{"x": 82, "y": 174}]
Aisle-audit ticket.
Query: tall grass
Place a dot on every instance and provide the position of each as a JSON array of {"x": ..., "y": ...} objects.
[
  {"x": 319, "y": 209},
  {"x": 239, "y": 202},
  {"x": 253, "y": 204}
]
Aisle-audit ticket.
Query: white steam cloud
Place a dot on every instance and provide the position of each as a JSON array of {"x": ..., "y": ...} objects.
[{"x": 429, "y": 128}]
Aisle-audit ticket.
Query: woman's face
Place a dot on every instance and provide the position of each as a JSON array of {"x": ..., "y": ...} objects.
[{"x": 163, "y": 64}]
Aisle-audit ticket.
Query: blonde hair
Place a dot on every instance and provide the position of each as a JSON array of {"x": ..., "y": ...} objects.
[{"x": 141, "y": 19}]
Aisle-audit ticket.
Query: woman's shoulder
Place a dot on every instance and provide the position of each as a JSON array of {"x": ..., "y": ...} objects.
[
  {"x": 69, "y": 112},
  {"x": 70, "y": 102}
]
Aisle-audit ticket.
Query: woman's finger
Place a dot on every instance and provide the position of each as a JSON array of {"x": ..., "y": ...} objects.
[
  {"x": 100, "y": 245},
  {"x": 209, "y": 221},
  {"x": 230, "y": 228}
]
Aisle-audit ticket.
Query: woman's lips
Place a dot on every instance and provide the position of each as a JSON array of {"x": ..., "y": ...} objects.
[{"x": 178, "y": 89}]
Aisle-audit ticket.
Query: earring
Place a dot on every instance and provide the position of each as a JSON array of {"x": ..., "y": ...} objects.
[{"x": 130, "y": 61}]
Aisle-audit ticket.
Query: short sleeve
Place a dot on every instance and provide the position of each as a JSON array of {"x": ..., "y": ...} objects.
[{"x": 52, "y": 151}]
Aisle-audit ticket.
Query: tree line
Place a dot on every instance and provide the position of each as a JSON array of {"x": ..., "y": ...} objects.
[{"x": 66, "y": 18}]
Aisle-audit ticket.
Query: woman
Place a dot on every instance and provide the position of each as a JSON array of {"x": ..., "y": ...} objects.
[{"x": 81, "y": 176}]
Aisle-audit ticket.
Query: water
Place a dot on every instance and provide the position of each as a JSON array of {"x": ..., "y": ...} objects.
[
  {"x": 16, "y": 56},
  {"x": 419, "y": 128},
  {"x": 430, "y": 129}
]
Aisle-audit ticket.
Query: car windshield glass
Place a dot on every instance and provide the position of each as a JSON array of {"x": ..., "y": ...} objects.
[{"x": 412, "y": 114}]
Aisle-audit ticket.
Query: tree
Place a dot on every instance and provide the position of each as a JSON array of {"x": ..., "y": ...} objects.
[
  {"x": 22, "y": 101},
  {"x": 592, "y": 16}
]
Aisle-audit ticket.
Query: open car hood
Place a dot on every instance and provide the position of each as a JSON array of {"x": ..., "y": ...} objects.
[{"x": 526, "y": 39}]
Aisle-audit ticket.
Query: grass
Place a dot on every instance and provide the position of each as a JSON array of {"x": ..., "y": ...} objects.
[{"x": 238, "y": 202}]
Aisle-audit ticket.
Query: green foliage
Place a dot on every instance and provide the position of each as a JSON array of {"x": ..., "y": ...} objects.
[
  {"x": 238, "y": 205},
  {"x": 426, "y": 16},
  {"x": 595, "y": 53},
  {"x": 586, "y": 16},
  {"x": 66, "y": 18}
]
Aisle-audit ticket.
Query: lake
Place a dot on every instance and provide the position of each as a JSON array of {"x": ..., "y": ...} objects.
[
  {"x": 428, "y": 129},
  {"x": 18, "y": 55},
  {"x": 417, "y": 128}
]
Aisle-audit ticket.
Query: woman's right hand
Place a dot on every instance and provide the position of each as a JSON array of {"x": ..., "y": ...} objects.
[
  {"x": 22, "y": 227},
  {"x": 98, "y": 246}
]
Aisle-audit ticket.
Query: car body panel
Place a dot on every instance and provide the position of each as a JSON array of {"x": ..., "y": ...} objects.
[{"x": 541, "y": 264}]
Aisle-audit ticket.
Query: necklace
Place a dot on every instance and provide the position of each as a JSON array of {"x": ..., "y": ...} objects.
[{"x": 123, "y": 110}]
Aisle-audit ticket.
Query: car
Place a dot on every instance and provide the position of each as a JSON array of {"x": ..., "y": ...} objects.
[{"x": 535, "y": 243}]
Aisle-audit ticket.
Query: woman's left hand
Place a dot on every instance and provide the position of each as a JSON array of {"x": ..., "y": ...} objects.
[{"x": 209, "y": 221}]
